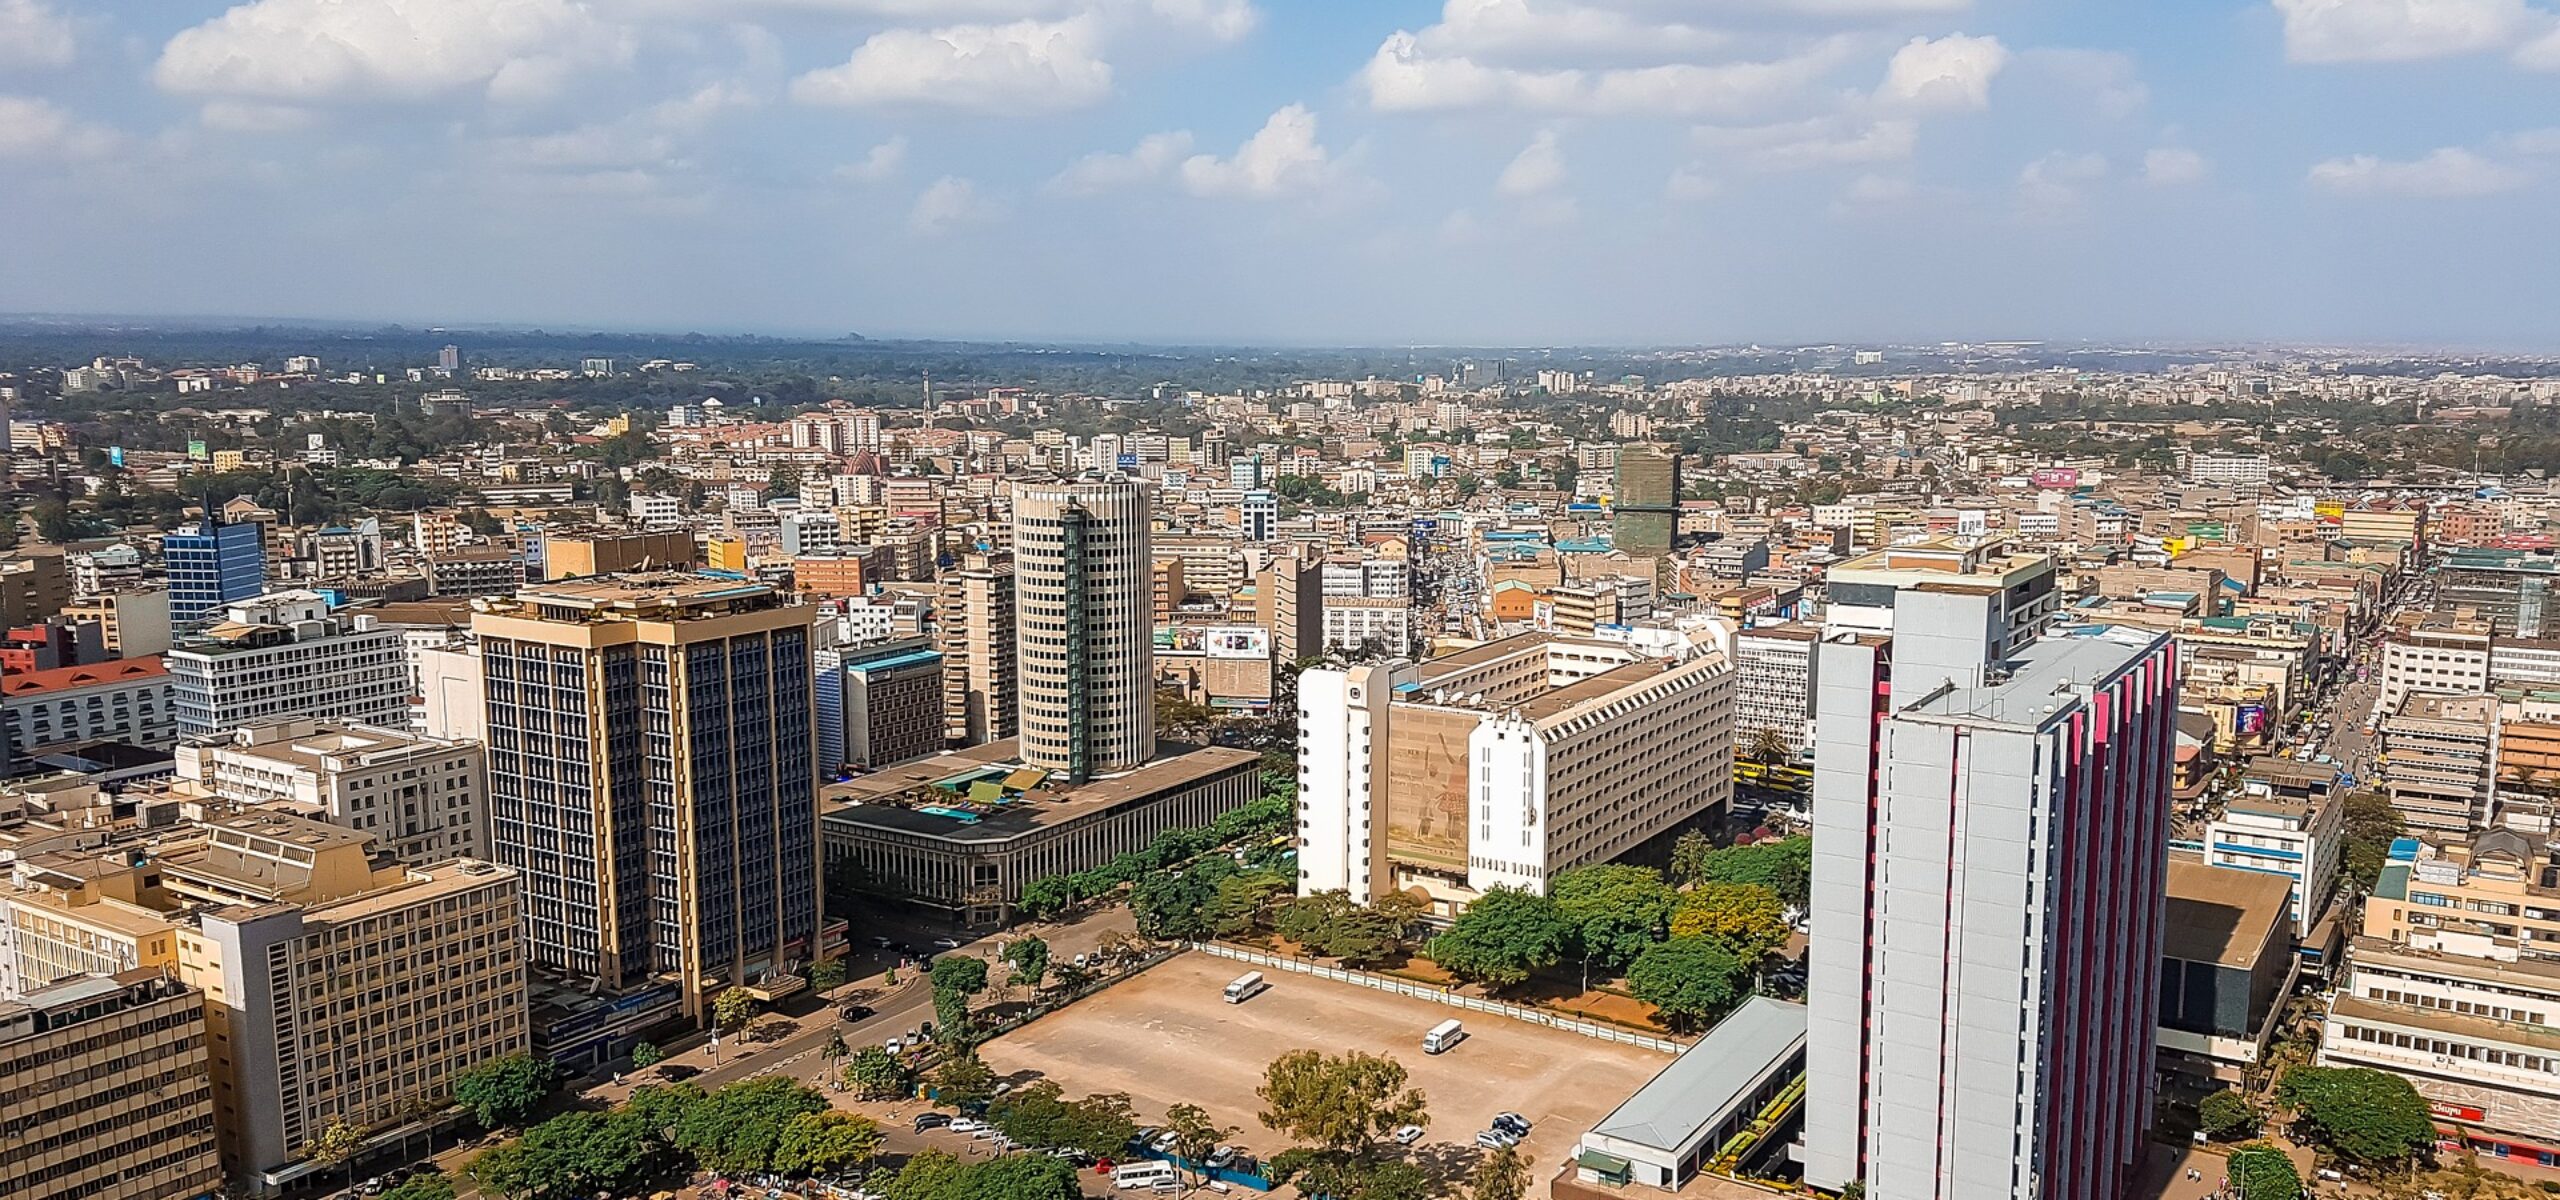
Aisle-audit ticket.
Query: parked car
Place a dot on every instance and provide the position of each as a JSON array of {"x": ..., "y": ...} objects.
[
  {"x": 931, "y": 1120},
  {"x": 947, "y": 943},
  {"x": 1495, "y": 1139},
  {"x": 855, "y": 1012},
  {"x": 1406, "y": 1135},
  {"x": 1220, "y": 1157},
  {"x": 965, "y": 1125},
  {"x": 1512, "y": 1123},
  {"x": 1164, "y": 1142}
]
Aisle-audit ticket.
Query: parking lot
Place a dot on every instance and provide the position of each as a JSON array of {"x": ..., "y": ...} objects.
[{"x": 1166, "y": 1037}]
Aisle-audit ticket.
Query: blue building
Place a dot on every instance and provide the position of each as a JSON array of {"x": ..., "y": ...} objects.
[{"x": 212, "y": 564}]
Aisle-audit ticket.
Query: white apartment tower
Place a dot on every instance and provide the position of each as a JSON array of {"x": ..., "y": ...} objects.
[
  {"x": 1084, "y": 594},
  {"x": 284, "y": 653}
]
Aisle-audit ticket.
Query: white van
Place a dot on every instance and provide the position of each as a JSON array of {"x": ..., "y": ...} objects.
[
  {"x": 1443, "y": 1035},
  {"x": 1144, "y": 1175},
  {"x": 1245, "y": 987}
]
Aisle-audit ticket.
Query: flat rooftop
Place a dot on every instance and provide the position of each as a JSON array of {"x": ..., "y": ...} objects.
[
  {"x": 1557, "y": 701},
  {"x": 2222, "y": 915},
  {"x": 2037, "y": 673},
  {"x": 1700, "y": 1087},
  {"x": 933, "y": 797}
]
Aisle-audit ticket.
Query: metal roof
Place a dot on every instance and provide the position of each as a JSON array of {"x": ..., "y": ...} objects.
[{"x": 1699, "y": 1089}]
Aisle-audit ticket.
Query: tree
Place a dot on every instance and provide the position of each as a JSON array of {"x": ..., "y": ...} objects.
[
  {"x": 575, "y": 1155},
  {"x": 1331, "y": 923},
  {"x": 1501, "y": 1175},
  {"x": 2365, "y": 1115},
  {"x": 835, "y": 1049},
  {"x": 335, "y": 1146},
  {"x": 2263, "y": 1172},
  {"x": 827, "y": 975},
  {"x": 1241, "y": 899},
  {"x": 1784, "y": 866},
  {"x": 1689, "y": 854},
  {"x": 875, "y": 1074},
  {"x": 960, "y": 973},
  {"x": 1616, "y": 911},
  {"x": 429, "y": 1186},
  {"x": 502, "y": 1092},
  {"x": 826, "y": 1143},
  {"x": 2226, "y": 1115},
  {"x": 732, "y": 1009},
  {"x": 1502, "y": 937},
  {"x": 1046, "y": 897},
  {"x": 1688, "y": 979},
  {"x": 1746, "y": 917},
  {"x": 2367, "y": 825},
  {"x": 1768, "y": 747},
  {"x": 1342, "y": 1103},
  {"x": 1029, "y": 957},
  {"x": 738, "y": 1129},
  {"x": 1195, "y": 1135},
  {"x": 645, "y": 1055},
  {"x": 962, "y": 1081}
]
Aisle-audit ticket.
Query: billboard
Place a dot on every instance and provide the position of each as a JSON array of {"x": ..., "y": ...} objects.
[
  {"x": 1235, "y": 641},
  {"x": 2249, "y": 720},
  {"x": 2055, "y": 477}
]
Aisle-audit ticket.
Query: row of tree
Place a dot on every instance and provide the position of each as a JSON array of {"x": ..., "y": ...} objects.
[
  {"x": 1255, "y": 824},
  {"x": 760, "y": 1125}
]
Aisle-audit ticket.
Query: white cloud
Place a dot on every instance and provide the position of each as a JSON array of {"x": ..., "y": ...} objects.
[
  {"x": 2058, "y": 180},
  {"x": 1225, "y": 20},
  {"x": 883, "y": 161},
  {"x": 1282, "y": 157},
  {"x": 1404, "y": 77},
  {"x": 1544, "y": 31},
  {"x": 2448, "y": 172},
  {"x": 2533, "y": 141},
  {"x": 2174, "y": 166},
  {"x": 31, "y": 127},
  {"x": 2336, "y": 31},
  {"x": 2542, "y": 53},
  {"x": 1951, "y": 73},
  {"x": 1462, "y": 228},
  {"x": 948, "y": 203},
  {"x": 2110, "y": 80},
  {"x": 1819, "y": 142},
  {"x": 250, "y": 116},
  {"x": 33, "y": 35},
  {"x": 313, "y": 51},
  {"x": 1102, "y": 171},
  {"x": 1692, "y": 183},
  {"x": 1538, "y": 168},
  {"x": 1018, "y": 67},
  {"x": 702, "y": 106}
]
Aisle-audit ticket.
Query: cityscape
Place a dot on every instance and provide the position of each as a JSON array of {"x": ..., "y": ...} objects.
[{"x": 1430, "y": 600}]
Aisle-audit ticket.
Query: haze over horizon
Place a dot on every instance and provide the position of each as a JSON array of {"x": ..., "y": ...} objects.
[{"x": 1168, "y": 172}]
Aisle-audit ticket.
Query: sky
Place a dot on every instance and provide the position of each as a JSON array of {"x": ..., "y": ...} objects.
[{"x": 1371, "y": 172}]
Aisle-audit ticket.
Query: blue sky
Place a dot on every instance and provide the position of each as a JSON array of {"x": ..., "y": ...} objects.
[{"x": 1314, "y": 171}]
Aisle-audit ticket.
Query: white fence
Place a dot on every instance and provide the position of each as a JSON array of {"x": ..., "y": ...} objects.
[{"x": 1424, "y": 991}]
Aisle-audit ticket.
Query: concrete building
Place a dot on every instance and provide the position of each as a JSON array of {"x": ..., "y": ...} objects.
[
  {"x": 420, "y": 798},
  {"x": 211, "y": 564},
  {"x": 1645, "y": 507},
  {"x": 574, "y": 554},
  {"x": 964, "y": 832},
  {"x": 2442, "y": 752},
  {"x": 2494, "y": 897},
  {"x": 129, "y": 700},
  {"x": 892, "y": 703},
  {"x": 1681, "y": 1119},
  {"x": 2299, "y": 840},
  {"x": 1287, "y": 600},
  {"x": 34, "y": 585},
  {"x": 1774, "y": 681},
  {"x": 104, "y": 1093},
  {"x": 285, "y": 654},
  {"x": 1083, "y": 638},
  {"x": 1863, "y": 592},
  {"x": 452, "y": 695},
  {"x": 1989, "y": 841},
  {"x": 473, "y": 571},
  {"x": 360, "y": 1010},
  {"x": 2226, "y": 965},
  {"x": 132, "y": 621},
  {"x": 691, "y": 771},
  {"x": 1504, "y": 764},
  {"x": 2434, "y": 657},
  {"x": 1363, "y": 625},
  {"x": 980, "y": 682},
  {"x": 2479, "y": 1038}
]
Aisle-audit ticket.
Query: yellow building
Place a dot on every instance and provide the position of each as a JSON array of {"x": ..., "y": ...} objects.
[{"x": 103, "y": 1092}]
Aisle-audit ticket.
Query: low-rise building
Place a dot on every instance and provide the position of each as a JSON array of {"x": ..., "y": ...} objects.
[
  {"x": 2479, "y": 1038},
  {"x": 421, "y": 798},
  {"x": 2225, "y": 968},
  {"x": 2299, "y": 840},
  {"x": 128, "y": 700},
  {"x": 285, "y": 654},
  {"x": 104, "y": 1093},
  {"x": 2439, "y": 754},
  {"x": 133, "y": 622}
]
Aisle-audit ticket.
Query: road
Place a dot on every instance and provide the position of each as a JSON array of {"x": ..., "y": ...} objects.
[{"x": 801, "y": 1054}]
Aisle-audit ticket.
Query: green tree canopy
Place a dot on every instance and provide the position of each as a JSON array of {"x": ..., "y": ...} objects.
[
  {"x": 1502, "y": 937},
  {"x": 502, "y": 1092},
  {"x": 2365, "y": 1115},
  {"x": 1501, "y": 1175},
  {"x": 1344, "y": 1102},
  {"x": 738, "y": 1128},
  {"x": 826, "y": 1143},
  {"x": 1028, "y": 955},
  {"x": 875, "y": 1074},
  {"x": 963, "y": 1080},
  {"x": 1616, "y": 911},
  {"x": 1690, "y": 979},
  {"x": 1747, "y": 917},
  {"x": 1331, "y": 923},
  {"x": 2263, "y": 1172},
  {"x": 1785, "y": 867},
  {"x": 2226, "y": 1115}
]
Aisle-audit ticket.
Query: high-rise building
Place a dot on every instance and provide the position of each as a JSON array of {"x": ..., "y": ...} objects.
[
  {"x": 212, "y": 563},
  {"x": 1258, "y": 515},
  {"x": 1645, "y": 508},
  {"x": 1084, "y": 641},
  {"x": 286, "y": 654},
  {"x": 133, "y": 621},
  {"x": 979, "y": 680},
  {"x": 1501, "y": 765},
  {"x": 1988, "y": 884},
  {"x": 652, "y": 772},
  {"x": 449, "y": 359},
  {"x": 103, "y": 1091},
  {"x": 33, "y": 586},
  {"x": 1862, "y": 593},
  {"x": 1773, "y": 668}
]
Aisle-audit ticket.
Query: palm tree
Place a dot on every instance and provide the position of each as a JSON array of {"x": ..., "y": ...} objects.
[{"x": 1769, "y": 747}]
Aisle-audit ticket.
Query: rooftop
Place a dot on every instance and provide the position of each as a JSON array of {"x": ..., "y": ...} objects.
[
  {"x": 2223, "y": 915},
  {"x": 983, "y": 794},
  {"x": 1671, "y": 1109},
  {"x": 2041, "y": 671},
  {"x": 61, "y": 679}
]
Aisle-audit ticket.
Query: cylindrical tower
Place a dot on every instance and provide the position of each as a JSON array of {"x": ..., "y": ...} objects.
[{"x": 1084, "y": 603}]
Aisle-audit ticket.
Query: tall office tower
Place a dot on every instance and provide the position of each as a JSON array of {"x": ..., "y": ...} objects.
[
  {"x": 212, "y": 564},
  {"x": 1990, "y": 856},
  {"x": 449, "y": 359},
  {"x": 1085, "y": 594},
  {"x": 284, "y": 654},
  {"x": 979, "y": 682},
  {"x": 1645, "y": 510},
  {"x": 104, "y": 1093},
  {"x": 1258, "y": 515},
  {"x": 653, "y": 773}
]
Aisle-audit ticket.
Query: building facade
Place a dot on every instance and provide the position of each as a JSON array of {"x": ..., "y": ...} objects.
[
  {"x": 129, "y": 700},
  {"x": 210, "y": 565},
  {"x": 1083, "y": 635},
  {"x": 285, "y": 654},
  {"x": 652, "y": 772},
  {"x": 104, "y": 1093},
  {"x": 1773, "y": 675},
  {"x": 420, "y": 797},
  {"x": 980, "y": 683}
]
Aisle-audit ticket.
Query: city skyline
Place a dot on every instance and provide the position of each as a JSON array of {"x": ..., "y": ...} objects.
[{"x": 1478, "y": 173}]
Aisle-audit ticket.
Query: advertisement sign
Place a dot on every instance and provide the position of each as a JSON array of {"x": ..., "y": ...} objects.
[
  {"x": 2251, "y": 719},
  {"x": 196, "y": 450},
  {"x": 2456, "y": 1112},
  {"x": 1235, "y": 641},
  {"x": 115, "y": 456},
  {"x": 2055, "y": 477}
]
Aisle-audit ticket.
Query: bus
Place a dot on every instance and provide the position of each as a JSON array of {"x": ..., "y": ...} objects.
[
  {"x": 1245, "y": 987},
  {"x": 1144, "y": 1175},
  {"x": 1443, "y": 1035}
]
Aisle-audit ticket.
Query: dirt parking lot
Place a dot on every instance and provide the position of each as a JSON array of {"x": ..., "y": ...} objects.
[{"x": 1167, "y": 1037}]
